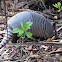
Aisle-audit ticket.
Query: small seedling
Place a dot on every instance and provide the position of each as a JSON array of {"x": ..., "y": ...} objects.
[
  {"x": 22, "y": 31},
  {"x": 58, "y": 5}
]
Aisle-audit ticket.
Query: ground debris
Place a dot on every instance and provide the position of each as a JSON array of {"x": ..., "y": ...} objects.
[{"x": 33, "y": 51}]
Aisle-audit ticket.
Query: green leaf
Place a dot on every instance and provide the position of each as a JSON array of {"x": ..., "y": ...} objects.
[
  {"x": 16, "y": 30},
  {"x": 28, "y": 34},
  {"x": 20, "y": 32},
  {"x": 29, "y": 23},
  {"x": 22, "y": 37},
  {"x": 59, "y": 5},
  {"x": 26, "y": 27},
  {"x": 55, "y": 5},
  {"x": 21, "y": 24},
  {"x": 53, "y": 38}
]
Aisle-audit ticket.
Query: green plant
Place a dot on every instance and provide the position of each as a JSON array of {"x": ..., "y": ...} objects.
[
  {"x": 58, "y": 5},
  {"x": 22, "y": 31}
]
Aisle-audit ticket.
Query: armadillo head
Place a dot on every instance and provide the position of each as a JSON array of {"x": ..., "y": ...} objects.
[{"x": 6, "y": 37}]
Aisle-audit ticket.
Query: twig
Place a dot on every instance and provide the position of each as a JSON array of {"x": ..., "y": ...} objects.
[
  {"x": 53, "y": 52},
  {"x": 58, "y": 44}
]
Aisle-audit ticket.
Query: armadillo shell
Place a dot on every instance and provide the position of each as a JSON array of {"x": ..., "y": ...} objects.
[{"x": 41, "y": 27}]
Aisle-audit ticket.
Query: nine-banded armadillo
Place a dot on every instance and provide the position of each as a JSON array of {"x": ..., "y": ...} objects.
[{"x": 41, "y": 27}]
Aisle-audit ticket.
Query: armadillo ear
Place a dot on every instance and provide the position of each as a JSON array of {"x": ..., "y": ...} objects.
[{"x": 14, "y": 38}]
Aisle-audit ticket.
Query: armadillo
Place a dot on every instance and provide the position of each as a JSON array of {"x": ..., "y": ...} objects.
[{"x": 41, "y": 26}]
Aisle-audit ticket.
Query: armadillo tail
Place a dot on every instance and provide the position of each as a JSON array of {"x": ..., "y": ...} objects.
[{"x": 6, "y": 37}]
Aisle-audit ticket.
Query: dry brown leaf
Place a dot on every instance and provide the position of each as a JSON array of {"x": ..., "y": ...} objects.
[
  {"x": 29, "y": 48},
  {"x": 49, "y": 40},
  {"x": 59, "y": 49}
]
